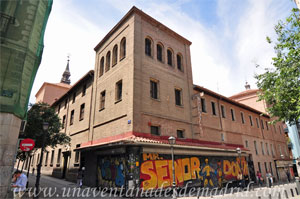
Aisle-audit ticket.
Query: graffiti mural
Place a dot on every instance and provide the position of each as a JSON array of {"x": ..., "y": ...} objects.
[
  {"x": 111, "y": 171},
  {"x": 156, "y": 170}
]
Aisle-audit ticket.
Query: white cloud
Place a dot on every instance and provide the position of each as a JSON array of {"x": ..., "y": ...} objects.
[{"x": 222, "y": 54}]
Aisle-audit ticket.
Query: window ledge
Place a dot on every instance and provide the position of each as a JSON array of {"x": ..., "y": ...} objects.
[
  {"x": 150, "y": 56},
  {"x": 114, "y": 64},
  {"x": 180, "y": 106},
  {"x": 122, "y": 58},
  {"x": 157, "y": 100},
  {"x": 51, "y": 165},
  {"x": 81, "y": 119},
  {"x": 101, "y": 109},
  {"x": 57, "y": 165},
  {"x": 76, "y": 164},
  {"x": 118, "y": 101}
]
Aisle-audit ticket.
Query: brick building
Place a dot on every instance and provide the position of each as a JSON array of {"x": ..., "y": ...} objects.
[{"x": 120, "y": 117}]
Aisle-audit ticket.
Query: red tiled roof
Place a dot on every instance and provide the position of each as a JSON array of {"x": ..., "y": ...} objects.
[
  {"x": 246, "y": 92},
  {"x": 82, "y": 79},
  {"x": 138, "y": 138}
]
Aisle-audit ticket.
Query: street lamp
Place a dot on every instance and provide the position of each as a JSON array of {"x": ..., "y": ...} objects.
[
  {"x": 38, "y": 171},
  {"x": 239, "y": 152},
  {"x": 172, "y": 141}
]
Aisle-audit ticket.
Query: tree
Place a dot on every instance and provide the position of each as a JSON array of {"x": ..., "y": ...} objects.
[
  {"x": 36, "y": 116},
  {"x": 280, "y": 85}
]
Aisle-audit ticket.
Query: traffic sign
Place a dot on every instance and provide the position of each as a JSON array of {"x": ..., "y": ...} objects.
[{"x": 27, "y": 145}]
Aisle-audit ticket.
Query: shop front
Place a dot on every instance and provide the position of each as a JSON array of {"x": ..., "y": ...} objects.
[
  {"x": 149, "y": 166},
  {"x": 285, "y": 170}
]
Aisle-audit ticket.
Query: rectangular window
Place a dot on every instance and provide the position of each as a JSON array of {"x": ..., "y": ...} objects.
[
  {"x": 155, "y": 130},
  {"x": 242, "y": 116},
  {"x": 81, "y": 115},
  {"x": 262, "y": 148},
  {"x": 154, "y": 89},
  {"x": 58, "y": 156},
  {"x": 52, "y": 157},
  {"x": 66, "y": 102},
  {"x": 267, "y": 126},
  {"x": 72, "y": 117},
  {"x": 262, "y": 124},
  {"x": 38, "y": 159},
  {"x": 267, "y": 147},
  {"x": 266, "y": 167},
  {"x": 63, "y": 122},
  {"x": 246, "y": 144},
  {"x": 203, "y": 105},
  {"x": 274, "y": 128},
  {"x": 271, "y": 169},
  {"x": 74, "y": 97},
  {"x": 102, "y": 100},
  {"x": 250, "y": 119},
  {"x": 119, "y": 90},
  {"x": 77, "y": 154},
  {"x": 222, "y": 137},
  {"x": 280, "y": 152},
  {"x": 180, "y": 133},
  {"x": 213, "y": 108},
  {"x": 279, "y": 129},
  {"x": 32, "y": 160},
  {"x": 257, "y": 123},
  {"x": 259, "y": 168},
  {"x": 46, "y": 159},
  {"x": 223, "y": 111},
  {"x": 255, "y": 146},
  {"x": 84, "y": 90},
  {"x": 272, "y": 150},
  {"x": 58, "y": 109},
  {"x": 232, "y": 114},
  {"x": 178, "y": 100}
]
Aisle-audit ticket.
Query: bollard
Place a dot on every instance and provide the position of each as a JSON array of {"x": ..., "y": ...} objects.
[
  {"x": 259, "y": 197},
  {"x": 270, "y": 197},
  {"x": 286, "y": 194},
  {"x": 297, "y": 180},
  {"x": 296, "y": 191},
  {"x": 292, "y": 192},
  {"x": 279, "y": 195}
]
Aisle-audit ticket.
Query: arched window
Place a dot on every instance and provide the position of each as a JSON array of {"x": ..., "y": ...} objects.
[
  {"x": 101, "y": 67},
  {"x": 170, "y": 57},
  {"x": 159, "y": 50},
  {"x": 123, "y": 48},
  {"x": 115, "y": 55},
  {"x": 179, "y": 62},
  {"x": 148, "y": 48},
  {"x": 107, "y": 61}
]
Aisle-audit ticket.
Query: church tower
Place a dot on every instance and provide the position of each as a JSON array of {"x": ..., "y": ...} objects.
[{"x": 66, "y": 75}]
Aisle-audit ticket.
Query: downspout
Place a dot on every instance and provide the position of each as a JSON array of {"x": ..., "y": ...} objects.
[
  {"x": 189, "y": 90},
  {"x": 220, "y": 114}
]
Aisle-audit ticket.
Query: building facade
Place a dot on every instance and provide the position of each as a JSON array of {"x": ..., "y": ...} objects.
[
  {"x": 250, "y": 97},
  {"x": 140, "y": 93}
]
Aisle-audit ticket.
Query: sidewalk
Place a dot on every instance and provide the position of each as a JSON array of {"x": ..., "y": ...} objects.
[{"x": 60, "y": 188}]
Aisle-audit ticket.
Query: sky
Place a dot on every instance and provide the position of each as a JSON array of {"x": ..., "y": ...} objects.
[{"x": 228, "y": 37}]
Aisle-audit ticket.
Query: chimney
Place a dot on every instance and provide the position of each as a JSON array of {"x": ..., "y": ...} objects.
[{"x": 247, "y": 86}]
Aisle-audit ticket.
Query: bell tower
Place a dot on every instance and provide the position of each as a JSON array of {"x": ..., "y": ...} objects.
[{"x": 66, "y": 75}]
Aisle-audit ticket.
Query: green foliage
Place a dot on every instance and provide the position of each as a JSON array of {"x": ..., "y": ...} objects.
[
  {"x": 280, "y": 85},
  {"x": 36, "y": 116}
]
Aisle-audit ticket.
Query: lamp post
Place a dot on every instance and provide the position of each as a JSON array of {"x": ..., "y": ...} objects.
[
  {"x": 239, "y": 152},
  {"x": 172, "y": 141},
  {"x": 38, "y": 171}
]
